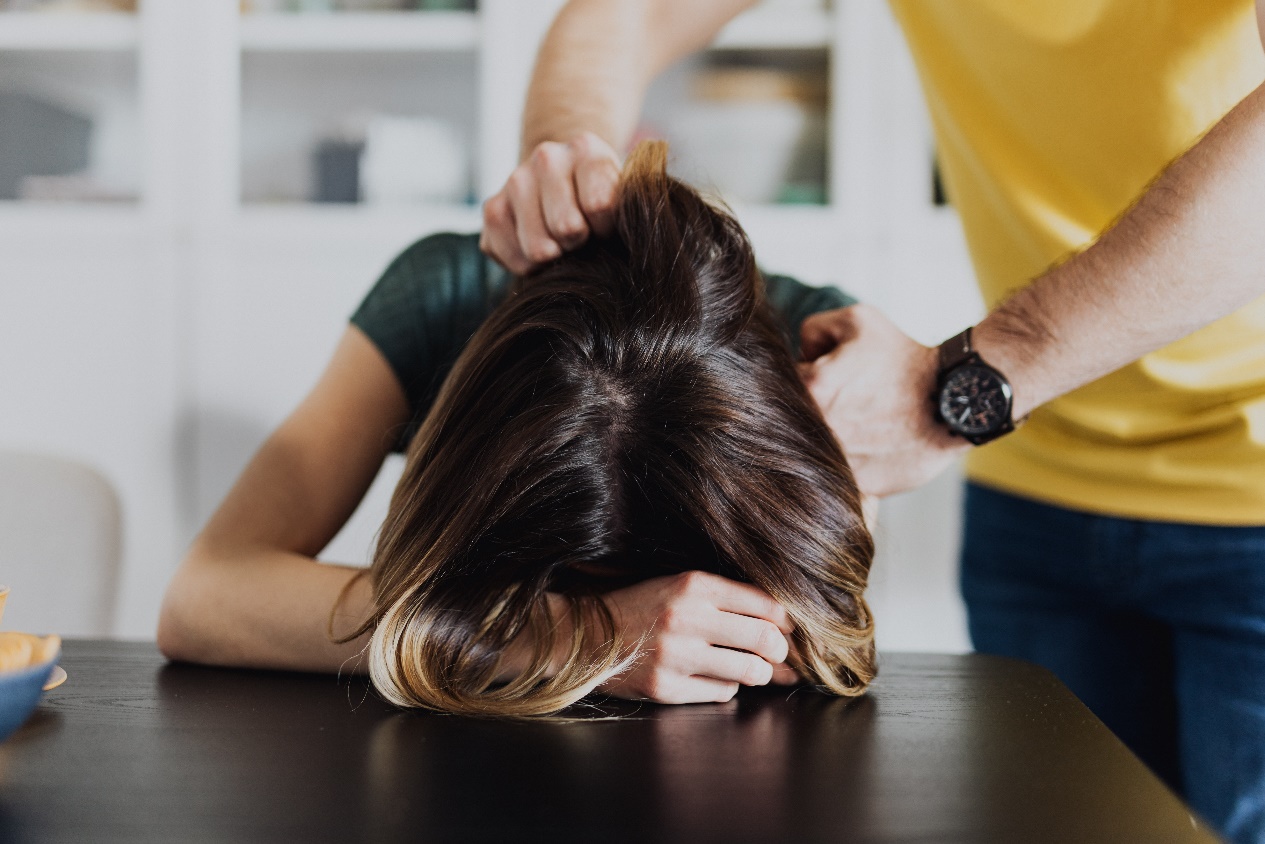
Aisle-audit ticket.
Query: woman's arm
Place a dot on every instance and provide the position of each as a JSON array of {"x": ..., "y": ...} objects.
[{"x": 249, "y": 592}]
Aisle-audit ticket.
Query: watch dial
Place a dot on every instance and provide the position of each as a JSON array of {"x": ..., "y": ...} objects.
[{"x": 974, "y": 400}]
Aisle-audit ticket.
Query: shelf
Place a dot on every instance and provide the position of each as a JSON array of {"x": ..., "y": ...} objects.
[
  {"x": 334, "y": 223},
  {"x": 16, "y": 212},
  {"x": 360, "y": 32},
  {"x": 106, "y": 31},
  {"x": 777, "y": 29}
]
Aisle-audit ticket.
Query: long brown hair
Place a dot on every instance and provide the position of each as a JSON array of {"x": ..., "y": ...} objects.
[{"x": 632, "y": 409}]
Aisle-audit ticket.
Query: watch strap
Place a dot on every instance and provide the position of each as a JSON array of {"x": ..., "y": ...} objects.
[{"x": 956, "y": 350}]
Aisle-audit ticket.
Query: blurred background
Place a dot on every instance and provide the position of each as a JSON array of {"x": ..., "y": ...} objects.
[{"x": 194, "y": 195}]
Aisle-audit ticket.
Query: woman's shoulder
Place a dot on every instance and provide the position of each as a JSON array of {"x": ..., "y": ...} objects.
[
  {"x": 426, "y": 304},
  {"x": 459, "y": 249},
  {"x": 434, "y": 280},
  {"x": 796, "y": 301},
  {"x": 445, "y": 266}
]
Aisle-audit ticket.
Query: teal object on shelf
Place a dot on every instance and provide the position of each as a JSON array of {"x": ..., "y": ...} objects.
[
  {"x": 19, "y": 695},
  {"x": 448, "y": 5}
]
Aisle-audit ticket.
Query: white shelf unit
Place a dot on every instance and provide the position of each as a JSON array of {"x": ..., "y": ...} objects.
[
  {"x": 87, "y": 65},
  {"x": 293, "y": 99},
  {"x": 45, "y": 31},
  {"x": 364, "y": 32},
  {"x": 189, "y": 324}
]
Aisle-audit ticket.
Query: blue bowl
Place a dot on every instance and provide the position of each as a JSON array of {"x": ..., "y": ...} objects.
[{"x": 20, "y": 694}]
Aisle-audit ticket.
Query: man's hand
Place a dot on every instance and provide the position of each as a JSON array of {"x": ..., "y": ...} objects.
[
  {"x": 874, "y": 385},
  {"x": 551, "y": 203},
  {"x": 704, "y": 636}
]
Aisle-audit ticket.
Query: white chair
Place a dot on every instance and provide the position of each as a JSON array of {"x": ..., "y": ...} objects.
[{"x": 60, "y": 545}]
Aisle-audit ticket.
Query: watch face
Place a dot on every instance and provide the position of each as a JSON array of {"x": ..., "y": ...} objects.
[{"x": 974, "y": 400}]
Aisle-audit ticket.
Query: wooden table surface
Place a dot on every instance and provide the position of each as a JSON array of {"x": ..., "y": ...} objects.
[{"x": 942, "y": 749}]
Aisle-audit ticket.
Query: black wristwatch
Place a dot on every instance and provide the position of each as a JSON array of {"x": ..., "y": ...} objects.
[{"x": 972, "y": 399}]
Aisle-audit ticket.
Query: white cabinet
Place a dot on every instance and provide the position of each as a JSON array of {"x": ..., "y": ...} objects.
[{"x": 161, "y": 338}]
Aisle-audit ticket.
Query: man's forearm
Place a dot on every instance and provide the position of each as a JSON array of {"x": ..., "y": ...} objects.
[
  {"x": 591, "y": 75},
  {"x": 600, "y": 56},
  {"x": 1189, "y": 252}
]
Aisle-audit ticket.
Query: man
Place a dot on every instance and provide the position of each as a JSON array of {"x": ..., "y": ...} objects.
[{"x": 1118, "y": 537}]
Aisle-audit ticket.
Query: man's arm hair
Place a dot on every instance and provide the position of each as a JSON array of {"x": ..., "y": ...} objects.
[
  {"x": 600, "y": 56},
  {"x": 1187, "y": 253}
]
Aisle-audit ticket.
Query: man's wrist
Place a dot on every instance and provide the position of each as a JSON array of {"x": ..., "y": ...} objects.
[
  {"x": 937, "y": 435},
  {"x": 1013, "y": 351}
]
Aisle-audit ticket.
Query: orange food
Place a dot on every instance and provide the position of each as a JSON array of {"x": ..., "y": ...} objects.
[{"x": 22, "y": 650}]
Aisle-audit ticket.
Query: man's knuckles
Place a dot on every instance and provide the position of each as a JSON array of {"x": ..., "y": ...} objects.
[
  {"x": 540, "y": 249},
  {"x": 551, "y": 159},
  {"x": 586, "y": 144},
  {"x": 570, "y": 227},
  {"x": 521, "y": 185}
]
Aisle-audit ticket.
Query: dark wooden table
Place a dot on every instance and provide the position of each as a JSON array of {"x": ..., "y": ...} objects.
[{"x": 943, "y": 749}]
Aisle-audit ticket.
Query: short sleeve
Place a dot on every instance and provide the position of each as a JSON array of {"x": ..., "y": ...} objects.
[
  {"x": 424, "y": 308},
  {"x": 795, "y": 302}
]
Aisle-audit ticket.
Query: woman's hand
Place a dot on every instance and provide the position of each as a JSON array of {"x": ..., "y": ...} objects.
[{"x": 702, "y": 636}]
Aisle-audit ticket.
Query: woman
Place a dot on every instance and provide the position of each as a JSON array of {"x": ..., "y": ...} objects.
[{"x": 621, "y": 485}]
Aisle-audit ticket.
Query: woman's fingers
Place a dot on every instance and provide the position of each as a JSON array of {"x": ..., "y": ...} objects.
[
  {"x": 682, "y": 659},
  {"x": 754, "y": 635},
  {"x": 744, "y": 599},
  {"x": 733, "y": 666},
  {"x": 695, "y": 626},
  {"x": 784, "y": 675},
  {"x": 696, "y": 690}
]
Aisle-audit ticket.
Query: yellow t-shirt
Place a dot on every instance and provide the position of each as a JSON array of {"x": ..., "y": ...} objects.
[{"x": 1051, "y": 117}]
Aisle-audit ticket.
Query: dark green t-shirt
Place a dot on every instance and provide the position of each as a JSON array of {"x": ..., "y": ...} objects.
[{"x": 435, "y": 295}]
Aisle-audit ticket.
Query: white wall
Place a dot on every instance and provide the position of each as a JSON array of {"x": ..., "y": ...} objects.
[{"x": 160, "y": 343}]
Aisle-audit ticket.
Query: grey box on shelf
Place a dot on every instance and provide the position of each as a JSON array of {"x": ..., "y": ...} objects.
[
  {"x": 337, "y": 166},
  {"x": 39, "y": 138}
]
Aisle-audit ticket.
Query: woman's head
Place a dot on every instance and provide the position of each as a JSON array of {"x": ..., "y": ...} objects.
[{"x": 632, "y": 409}]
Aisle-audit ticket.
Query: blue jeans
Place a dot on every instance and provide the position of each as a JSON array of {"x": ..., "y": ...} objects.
[{"x": 1158, "y": 627}]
